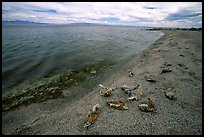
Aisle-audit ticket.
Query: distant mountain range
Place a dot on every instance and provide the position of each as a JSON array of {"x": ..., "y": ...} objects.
[
  {"x": 28, "y": 23},
  {"x": 20, "y": 23},
  {"x": 87, "y": 24}
]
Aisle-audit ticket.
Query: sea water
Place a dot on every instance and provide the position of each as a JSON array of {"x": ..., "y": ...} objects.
[{"x": 31, "y": 52}]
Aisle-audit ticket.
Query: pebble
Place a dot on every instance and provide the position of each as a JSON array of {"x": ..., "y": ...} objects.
[{"x": 170, "y": 95}]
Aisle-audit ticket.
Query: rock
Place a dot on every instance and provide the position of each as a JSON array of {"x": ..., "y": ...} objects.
[
  {"x": 167, "y": 64},
  {"x": 150, "y": 78},
  {"x": 25, "y": 99},
  {"x": 180, "y": 64},
  {"x": 157, "y": 49},
  {"x": 170, "y": 95},
  {"x": 164, "y": 70}
]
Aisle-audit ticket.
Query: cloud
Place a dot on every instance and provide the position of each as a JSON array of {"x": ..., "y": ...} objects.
[
  {"x": 123, "y": 13},
  {"x": 147, "y": 7},
  {"x": 183, "y": 15},
  {"x": 49, "y": 11}
]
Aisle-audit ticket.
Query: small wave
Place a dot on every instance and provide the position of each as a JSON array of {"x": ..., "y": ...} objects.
[{"x": 34, "y": 67}]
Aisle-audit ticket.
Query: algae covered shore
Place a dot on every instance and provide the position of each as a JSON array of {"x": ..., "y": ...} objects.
[
  {"x": 178, "y": 50},
  {"x": 52, "y": 87}
]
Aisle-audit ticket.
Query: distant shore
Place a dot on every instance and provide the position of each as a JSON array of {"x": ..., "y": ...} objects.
[
  {"x": 190, "y": 29},
  {"x": 179, "y": 50}
]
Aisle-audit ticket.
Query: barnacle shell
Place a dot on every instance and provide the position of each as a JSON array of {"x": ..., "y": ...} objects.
[{"x": 117, "y": 104}]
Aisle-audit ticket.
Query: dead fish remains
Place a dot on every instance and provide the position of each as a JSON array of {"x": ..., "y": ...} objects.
[
  {"x": 92, "y": 115},
  {"x": 137, "y": 95},
  {"x": 108, "y": 91},
  {"x": 117, "y": 104},
  {"x": 130, "y": 91},
  {"x": 127, "y": 89},
  {"x": 149, "y": 107}
]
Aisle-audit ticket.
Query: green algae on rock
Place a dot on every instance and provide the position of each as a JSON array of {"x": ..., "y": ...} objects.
[{"x": 52, "y": 88}]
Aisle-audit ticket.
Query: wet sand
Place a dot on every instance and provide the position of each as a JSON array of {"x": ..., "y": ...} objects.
[{"x": 179, "y": 50}]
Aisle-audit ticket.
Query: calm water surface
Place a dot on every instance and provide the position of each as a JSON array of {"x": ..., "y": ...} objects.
[{"x": 31, "y": 52}]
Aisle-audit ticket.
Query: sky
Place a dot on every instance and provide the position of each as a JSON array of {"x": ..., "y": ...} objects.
[{"x": 150, "y": 14}]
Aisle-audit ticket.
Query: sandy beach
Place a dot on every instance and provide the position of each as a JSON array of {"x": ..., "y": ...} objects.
[{"x": 178, "y": 50}]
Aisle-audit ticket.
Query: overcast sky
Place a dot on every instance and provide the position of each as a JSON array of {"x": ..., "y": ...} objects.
[{"x": 154, "y": 14}]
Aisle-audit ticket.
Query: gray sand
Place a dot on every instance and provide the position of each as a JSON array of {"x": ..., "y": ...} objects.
[{"x": 181, "y": 50}]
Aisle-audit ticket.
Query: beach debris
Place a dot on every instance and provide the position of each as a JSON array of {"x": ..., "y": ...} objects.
[
  {"x": 127, "y": 89},
  {"x": 117, "y": 104},
  {"x": 108, "y": 91},
  {"x": 134, "y": 93},
  {"x": 150, "y": 78},
  {"x": 170, "y": 94},
  {"x": 137, "y": 95},
  {"x": 147, "y": 107},
  {"x": 130, "y": 73},
  {"x": 132, "y": 98},
  {"x": 165, "y": 69},
  {"x": 92, "y": 115},
  {"x": 96, "y": 107}
]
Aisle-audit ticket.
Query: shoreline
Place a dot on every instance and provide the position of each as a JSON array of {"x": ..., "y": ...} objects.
[{"x": 182, "y": 50}]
